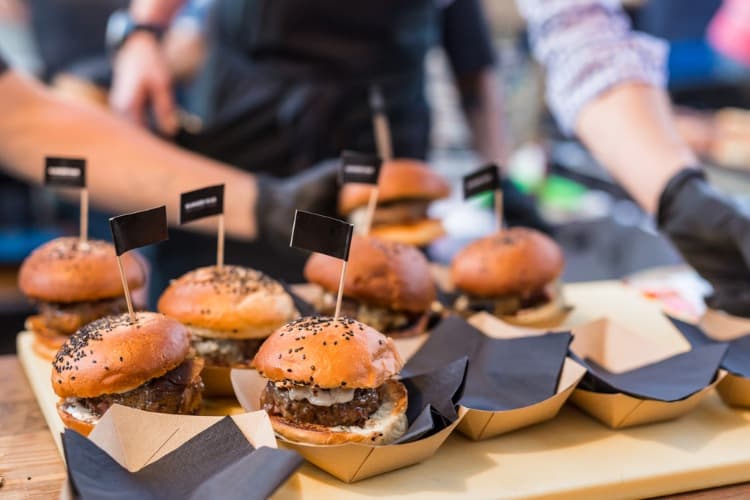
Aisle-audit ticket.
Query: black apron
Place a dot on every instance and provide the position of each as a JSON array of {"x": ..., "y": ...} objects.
[{"x": 286, "y": 85}]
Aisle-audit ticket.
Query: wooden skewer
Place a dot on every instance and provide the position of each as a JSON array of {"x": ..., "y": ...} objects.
[
  {"x": 340, "y": 295},
  {"x": 84, "y": 215},
  {"x": 371, "y": 206},
  {"x": 220, "y": 243},
  {"x": 499, "y": 208},
  {"x": 126, "y": 288}
]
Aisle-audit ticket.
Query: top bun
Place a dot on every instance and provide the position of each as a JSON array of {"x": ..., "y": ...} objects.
[
  {"x": 66, "y": 270},
  {"x": 400, "y": 179},
  {"x": 512, "y": 261},
  {"x": 112, "y": 355},
  {"x": 243, "y": 302},
  {"x": 328, "y": 353},
  {"x": 381, "y": 273}
]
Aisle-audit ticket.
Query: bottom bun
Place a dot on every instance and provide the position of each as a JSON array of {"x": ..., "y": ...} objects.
[
  {"x": 419, "y": 234},
  {"x": 547, "y": 315},
  {"x": 217, "y": 381},
  {"x": 384, "y": 426},
  {"x": 44, "y": 349},
  {"x": 73, "y": 423}
]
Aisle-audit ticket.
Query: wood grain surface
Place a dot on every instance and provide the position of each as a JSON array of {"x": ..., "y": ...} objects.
[{"x": 31, "y": 466}]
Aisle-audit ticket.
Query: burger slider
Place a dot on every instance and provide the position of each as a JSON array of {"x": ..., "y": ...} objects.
[
  {"x": 406, "y": 189},
  {"x": 512, "y": 274},
  {"x": 73, "y": 283},
  {"x": 228, "y": 311},
  {"x": 146, "y": 365},
  {"x": 331, "y": 382},
  {"x": 388, "y": 285}
]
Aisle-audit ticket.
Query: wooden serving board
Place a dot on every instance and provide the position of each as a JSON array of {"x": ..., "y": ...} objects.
[{"x": 572, "y": 456}]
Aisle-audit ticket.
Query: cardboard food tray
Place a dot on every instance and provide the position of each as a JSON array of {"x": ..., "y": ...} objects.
[
  {"x": 734, "y": 390},
  {"x": 348, "y": 462},
  {"x": 571, "y": 456},
  {"x": 480, "y": 424}
]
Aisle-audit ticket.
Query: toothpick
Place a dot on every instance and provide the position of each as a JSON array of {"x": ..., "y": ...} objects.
[
  {"x": 220, "y": 243},
  {"x": 371, "y": 206},
  {"x": 340, "y": 295},
  {"x": 126, "y": 289},
  {"x": 84, "y": 224},
  {"x": 499, "y": 208}
]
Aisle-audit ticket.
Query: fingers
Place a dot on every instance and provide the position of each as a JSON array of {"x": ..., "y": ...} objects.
[{"x": 164, "y": 107}]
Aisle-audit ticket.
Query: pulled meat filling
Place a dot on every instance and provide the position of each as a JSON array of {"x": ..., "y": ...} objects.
[
  {"x": 380, "y": 318},
  {"x": 277, "y": 401},
  {"x": 65, "y": 319},
  {"x": 179, "y": 391},
  {"x": 226, "y": 352}
]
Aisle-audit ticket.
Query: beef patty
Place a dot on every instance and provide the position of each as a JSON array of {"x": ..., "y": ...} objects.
[
  {"x": 178, "y": 391},
  {"x": 276, "y": 401},
  {"x": 65, "y": 319},
  {"x": 226, "y": 352}
]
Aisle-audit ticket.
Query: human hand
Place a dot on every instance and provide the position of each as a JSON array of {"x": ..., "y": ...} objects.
[{"x": 141, "y": 78}]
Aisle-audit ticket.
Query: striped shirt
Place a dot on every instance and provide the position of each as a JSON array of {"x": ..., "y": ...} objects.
[{"x": 587, "y": 47}]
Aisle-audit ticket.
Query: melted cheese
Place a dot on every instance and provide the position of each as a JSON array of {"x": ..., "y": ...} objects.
[
  {"x": 321, "y": 397},
  {"x": 79, "y": 412}
]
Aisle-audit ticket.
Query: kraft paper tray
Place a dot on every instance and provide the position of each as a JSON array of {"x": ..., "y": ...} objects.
[
  {"x": 734, "y": 390},
  {"x": 570, "y": 456}
]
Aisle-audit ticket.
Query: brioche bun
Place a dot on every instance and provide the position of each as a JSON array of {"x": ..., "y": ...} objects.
[
  {"x": 381, "y": 273},
  {"x": 66, "y": 270},
  {"x": 329, "y": 353},
  {"x": 512, "y": 261},
  {"x": 71, "y": 422},
  {"x": 419, "y": 234},
  {"x": 112, "y": 355},
  {"x": 387, "y": 424},
  {"x": 400, "y": 179},
  {"x": 234, "y": 302}
]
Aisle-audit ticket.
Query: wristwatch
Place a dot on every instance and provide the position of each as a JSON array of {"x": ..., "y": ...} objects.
[{"x": 120, "y": 26}]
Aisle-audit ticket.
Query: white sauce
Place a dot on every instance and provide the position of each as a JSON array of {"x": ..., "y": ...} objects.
[
  {"x": 78, "y": 411},
  {"x": 321, "y": 397}
]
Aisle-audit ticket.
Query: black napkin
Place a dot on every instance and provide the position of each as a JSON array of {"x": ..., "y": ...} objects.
[
  {"x": 671, "y": 379},
  {"x": 217, "y": 463},
  {"x": 432, "y": 400},
  {"x": 304, "y": 307},
  {"x": 503, "y": 374},
  {"x": 737, "y": 359}
]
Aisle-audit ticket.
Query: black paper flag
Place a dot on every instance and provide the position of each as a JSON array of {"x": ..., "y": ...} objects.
[
  {"x": 359, "y": 168},
  {"x": 484, "y": 179},
  {"x": 200, "y": 203},
  {"x": 139, "y": 229},
  {"x": 65, "y": 172},
  {"x": 321, "y": 234}
]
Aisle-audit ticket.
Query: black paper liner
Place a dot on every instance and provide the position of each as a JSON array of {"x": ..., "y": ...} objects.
[
  {"x": 216, "y": 463},
  {"x": 737, "y": 358},
  {"x": 433, "y": 398},
  {"x": 672, "y": 379},
  {"x": 502, "y": 374}
]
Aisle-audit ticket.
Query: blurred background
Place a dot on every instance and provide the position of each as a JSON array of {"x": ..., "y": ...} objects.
[{"x": 604, "y": 234}]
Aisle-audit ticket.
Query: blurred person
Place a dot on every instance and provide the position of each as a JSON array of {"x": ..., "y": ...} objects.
[
  {"x": 130, "y": 169},
  {"x": 604, "y": 83}
]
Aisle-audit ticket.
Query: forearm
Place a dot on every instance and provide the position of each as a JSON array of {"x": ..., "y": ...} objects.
[
  {"x": 154, "y": 11},
  {"x": 483, "y": 106},
  {"x": 128, "y": 168},
  {"x": 630, "y": 130}
]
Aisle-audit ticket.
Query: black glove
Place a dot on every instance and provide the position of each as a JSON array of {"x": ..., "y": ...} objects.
[
  {"x": 519, "y": 209},
  {"x": 315, "y": 190},
  {"x": 712, "y": 232}
]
